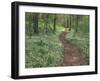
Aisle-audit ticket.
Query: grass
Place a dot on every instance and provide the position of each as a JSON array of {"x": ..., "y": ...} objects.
[{"x": 43, "y": 50}]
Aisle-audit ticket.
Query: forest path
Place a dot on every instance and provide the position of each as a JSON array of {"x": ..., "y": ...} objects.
[{"x": 72, "y": 54}]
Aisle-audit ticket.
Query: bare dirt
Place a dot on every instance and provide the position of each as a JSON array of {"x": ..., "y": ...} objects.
[{"x": 72, "y": 55}]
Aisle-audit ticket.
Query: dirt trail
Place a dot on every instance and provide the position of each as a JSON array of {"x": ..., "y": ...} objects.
[{"x": 72, "y": 54}]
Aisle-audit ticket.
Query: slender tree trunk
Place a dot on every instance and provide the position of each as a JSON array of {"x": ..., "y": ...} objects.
[
  {"x": 66, "y": 22},
  {"x": 46, "y": 22},
  {"x": 76, "y": 23},
  {"x": 76, "y": 29},
  {"x": 54, "y": 23},
  {"x": 70, "y": 23},
  {"x": 35, "y": 22}
]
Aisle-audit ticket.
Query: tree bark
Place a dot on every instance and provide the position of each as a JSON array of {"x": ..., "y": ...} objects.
[
  {"x": 55, "y": 22},
  {"x": 35, "y": 22},
  {"x": 70, "y": 23},
  {"x": 46, "y": 22}
]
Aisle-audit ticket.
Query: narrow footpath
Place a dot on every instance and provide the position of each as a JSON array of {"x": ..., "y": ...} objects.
[{"x": 72, "y": 55}]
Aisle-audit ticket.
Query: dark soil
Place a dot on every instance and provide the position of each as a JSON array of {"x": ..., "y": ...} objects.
[{"x": 72, "y": 55}]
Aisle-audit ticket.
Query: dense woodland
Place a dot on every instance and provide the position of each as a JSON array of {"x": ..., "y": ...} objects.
[
  {"x": 45, "y": 23},
  {"x": 42, "y": 45}
]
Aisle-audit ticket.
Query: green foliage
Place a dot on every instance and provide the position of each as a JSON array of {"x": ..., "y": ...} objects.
[
  {"x": 43, "y": 51},
  {"x": 84, "y": 25}
]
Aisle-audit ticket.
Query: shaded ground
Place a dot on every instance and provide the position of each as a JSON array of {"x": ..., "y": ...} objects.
[{"x": 72, "y": 55}]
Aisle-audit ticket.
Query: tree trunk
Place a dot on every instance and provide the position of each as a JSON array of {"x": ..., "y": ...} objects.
[
  {"x": 70, "y": 23},
  {"x": 76, "y": 26},
  {"x": 46, "y": 22},
  {"x": 54, "y": 23},
  {"x": 35, "y": 22},
  {"x": 66, "y": 22}
]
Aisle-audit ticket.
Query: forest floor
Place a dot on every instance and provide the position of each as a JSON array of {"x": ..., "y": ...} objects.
[{"x": 72, "y": 54}]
